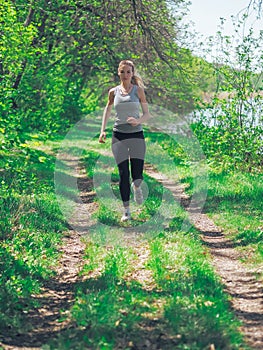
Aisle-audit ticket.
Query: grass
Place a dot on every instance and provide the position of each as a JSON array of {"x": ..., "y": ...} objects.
[
  {"x": 235, "y": 203},
  {"x": 234, "y": 199},
  {"x": 159, "y": 290},
  {"x": 181, "y": 306},
  {"x": 31, "y": 226},
  {"x": 197, "y": 308}
]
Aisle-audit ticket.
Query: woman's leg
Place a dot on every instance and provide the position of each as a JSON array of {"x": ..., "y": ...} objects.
[
  {"x": 137, "y": 154},
  {"x": 121, "y": 155},
  {"x": 137, "y": 149},
  {"x": 124, "y": 183},
  {"x": 137, "y": 171}
]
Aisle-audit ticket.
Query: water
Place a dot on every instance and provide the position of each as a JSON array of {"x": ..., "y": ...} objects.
[{"x": 249, "y": 114}]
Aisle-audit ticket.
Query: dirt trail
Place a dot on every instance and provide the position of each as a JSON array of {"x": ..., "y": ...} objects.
[
  {"x": 240, "y": 281},
  {"x": 58, "y": 293}
]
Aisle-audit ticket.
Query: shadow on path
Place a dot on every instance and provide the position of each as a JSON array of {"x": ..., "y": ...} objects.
[{"x": 240, "y": 282}]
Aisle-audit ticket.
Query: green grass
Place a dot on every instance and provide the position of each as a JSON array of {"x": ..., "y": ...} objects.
[
  {"x": 182, "y": 306},
  {"x": 234, "y": 199},
  {"x": 235, "y": 203},
  {"x": 31, "y": 226},
  {"x": 184, "y": 301},
  {"x": 197, "y": 308}
]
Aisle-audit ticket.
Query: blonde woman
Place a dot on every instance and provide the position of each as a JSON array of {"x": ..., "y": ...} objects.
[{"x": 128, "y": 144}]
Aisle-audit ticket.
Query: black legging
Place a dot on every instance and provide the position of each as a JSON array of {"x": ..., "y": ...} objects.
[{"x": 129, "y": 147}]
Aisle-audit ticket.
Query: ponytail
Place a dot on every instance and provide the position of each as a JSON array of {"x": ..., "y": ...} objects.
[{"x": 136, "y": 79}]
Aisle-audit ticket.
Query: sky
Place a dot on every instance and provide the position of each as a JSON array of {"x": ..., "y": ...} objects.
[{"x": 206, "y": 15}]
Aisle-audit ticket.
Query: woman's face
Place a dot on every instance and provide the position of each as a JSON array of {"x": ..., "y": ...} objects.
[{"x": 125, "y": 73}]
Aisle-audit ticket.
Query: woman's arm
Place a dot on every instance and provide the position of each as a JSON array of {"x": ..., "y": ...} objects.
[{"x": 106, "y": 116}]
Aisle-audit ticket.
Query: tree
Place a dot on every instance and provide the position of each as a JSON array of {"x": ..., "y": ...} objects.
[
  {"x": 233, "y": 132},
  {"x": 64, "y": 57}
]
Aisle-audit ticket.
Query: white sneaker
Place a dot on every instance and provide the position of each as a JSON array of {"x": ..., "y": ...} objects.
[
  {"x": 126, "y": 216},
  {"x": 138, "y": 196}
]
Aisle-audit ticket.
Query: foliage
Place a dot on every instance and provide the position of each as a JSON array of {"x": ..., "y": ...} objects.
[
  {"x": 15, "y": 47},
  {"x": 229, "y": 126},
  {"x": 59, "y": 58}
]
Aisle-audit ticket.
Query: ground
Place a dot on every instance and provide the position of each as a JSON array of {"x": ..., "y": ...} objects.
[{"x": 58, "y": 294}]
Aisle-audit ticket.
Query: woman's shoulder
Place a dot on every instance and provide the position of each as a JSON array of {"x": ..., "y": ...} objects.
[
  {"x": 140, "y": 92},
  {"x": 113, "y": 90},
  {"x": 111, "y": 94}
]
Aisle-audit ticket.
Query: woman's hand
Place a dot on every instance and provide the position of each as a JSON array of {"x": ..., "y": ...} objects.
[
  {"x": 102, "y": 137},
  {"x": 133, "y": 121}
]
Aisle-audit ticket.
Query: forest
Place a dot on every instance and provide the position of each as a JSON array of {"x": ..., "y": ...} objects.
[{"x": 72, "y": 276}]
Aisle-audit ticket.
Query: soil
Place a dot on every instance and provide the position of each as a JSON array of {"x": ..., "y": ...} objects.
[{"x": 240, "y": 282}]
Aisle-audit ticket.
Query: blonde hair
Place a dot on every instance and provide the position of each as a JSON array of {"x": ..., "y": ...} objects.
[{"x": 136, "y": 79}]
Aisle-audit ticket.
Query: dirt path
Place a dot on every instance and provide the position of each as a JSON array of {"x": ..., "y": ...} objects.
[
  {"x": 58, "y": 294},
  {"x": 240, "y": 282}
]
